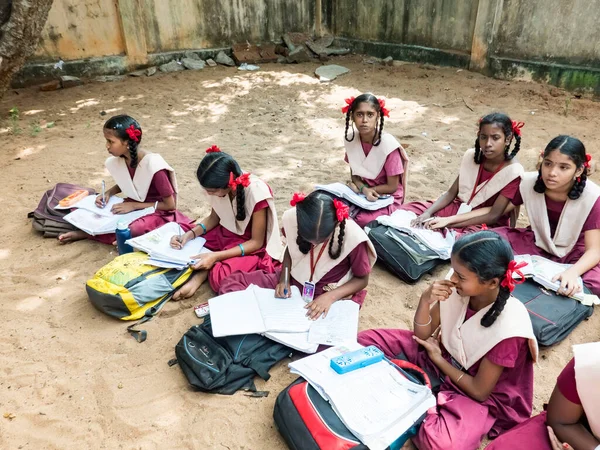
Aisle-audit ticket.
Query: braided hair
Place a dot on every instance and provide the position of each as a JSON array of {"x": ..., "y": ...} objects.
[
  {"x": 119, "y": 124},
  {"x": 487, "y": 255},
  {"x": 504, "y": 122},
  {"x": 317, "y": 220},
  {"x": 374, "y": 102},
  {"x": 575, "y": 150},
  {"x": 214, "y": 172}
]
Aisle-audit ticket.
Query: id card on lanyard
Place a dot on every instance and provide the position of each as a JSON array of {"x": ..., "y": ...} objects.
[{"x": 308, "y": 291}]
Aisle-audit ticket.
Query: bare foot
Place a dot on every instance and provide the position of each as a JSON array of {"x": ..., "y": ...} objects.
[
  {"x": 72, "y": 236},
  {"x": 191, "y": 286}
]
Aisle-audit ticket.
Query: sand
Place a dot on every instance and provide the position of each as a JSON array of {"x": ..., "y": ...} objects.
[{"x": 70, "y": 376}]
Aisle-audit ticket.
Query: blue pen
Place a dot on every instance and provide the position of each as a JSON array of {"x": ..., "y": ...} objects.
[
  {"x": 286, "y": 281},
  {"x": 103, "y": 193}
]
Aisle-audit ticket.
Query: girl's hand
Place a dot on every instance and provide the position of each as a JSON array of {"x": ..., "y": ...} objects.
[
  {"x": 319, "y": 305},
  {"x": 555, "y": 443},
  {"x": 353, "y": 186},
  {"x": 123, "y": 208},
  {"x": 569, "y": 283},
  {"x": 178, "y": 242},
  {"x": 371, "y": 194},
  {"x": 204, "y": 261},
  {"x": 281, "y": 286},
  {"x": 439, "y": 291},
  {"x": 431, "y": 345},
  {"x": 100, "y": 202},
  {"x": 438, "y": 223},
  {"x": 418, "y": 221}
]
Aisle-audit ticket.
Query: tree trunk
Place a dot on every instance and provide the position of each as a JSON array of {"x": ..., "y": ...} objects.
[{"x": 19, "y": 34}]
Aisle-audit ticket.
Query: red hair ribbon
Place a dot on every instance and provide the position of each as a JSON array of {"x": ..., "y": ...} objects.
[
  {"x": 243, "y": 180},
  {"x": 588, "y": 161},
  {"x": 297, "y": 198},
  {"x": 484, "y": 227},
  {"x": 342, "y": 211},
  {"x": 513, "y": 268},
  {"x": 349, "y": 102},
  {"x": 213, "y": 149},
  {"x": 516, "y": 127},
  {"x": 133, "y": 133},
  {"x": 384, "y": 110}
]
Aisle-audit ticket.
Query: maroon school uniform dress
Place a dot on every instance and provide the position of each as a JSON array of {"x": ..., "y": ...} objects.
[
  {"x": 533, "y": 434},
  {"x": 509, "y": 192},
  {"x": 393, "y": 166},
  {"x": 522, "y": 240},
  {"x": 160, "y": 188},
  {"x": 460, "y": 422},
  {"x": 220, "y": 238}
]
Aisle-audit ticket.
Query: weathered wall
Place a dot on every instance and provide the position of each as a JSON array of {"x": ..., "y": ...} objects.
[
  {"x": 440, "y": 24},
  {"x": 561, "y": 31}
]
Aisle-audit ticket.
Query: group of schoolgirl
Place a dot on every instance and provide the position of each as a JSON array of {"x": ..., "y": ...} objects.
[{"x": 485, "y": 365}]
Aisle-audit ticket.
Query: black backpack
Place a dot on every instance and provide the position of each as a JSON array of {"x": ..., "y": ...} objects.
[
  {"x": 227, "y": 364},
  {"x": 392, "y": 247}
]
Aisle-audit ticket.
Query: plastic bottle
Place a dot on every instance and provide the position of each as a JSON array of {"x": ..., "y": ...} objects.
[{"x": 123, "y": 233}]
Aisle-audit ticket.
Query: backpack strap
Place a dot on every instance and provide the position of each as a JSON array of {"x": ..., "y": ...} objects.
[
  {"x": 249, "y": 362},
  {"x": 141, "y": 335}
]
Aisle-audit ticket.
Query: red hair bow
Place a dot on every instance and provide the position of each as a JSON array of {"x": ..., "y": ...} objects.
[
  {"x": 133, "y": 133},
  {"x": 349, "y": 102},
  {"x": 213, "y": 149},
  {"x": 384, "y": 110},
  {"x": 513, "y": 269},
  {"x": 342, "y": 211},
  {"x": 297, "y": 198},
  {"x": 588, "y": 161},
  {"x": 516, "y": 127},
  {"x": 243, "y": 180},
  {"x": 484, "y": 227}
]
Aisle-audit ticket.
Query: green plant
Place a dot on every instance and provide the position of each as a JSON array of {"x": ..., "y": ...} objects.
[
  {"x": 35, "y": 128},
  {"x": 567, "y": 105},
  {"x": 14, "y": 120}
]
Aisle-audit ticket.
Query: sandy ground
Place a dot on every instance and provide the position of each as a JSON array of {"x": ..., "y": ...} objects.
[{"x": 72, "y": 377}]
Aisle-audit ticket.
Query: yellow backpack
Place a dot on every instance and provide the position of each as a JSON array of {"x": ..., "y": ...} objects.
[{"x": 129, "y": 289}]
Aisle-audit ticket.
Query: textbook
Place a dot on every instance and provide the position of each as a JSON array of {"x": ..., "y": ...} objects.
[
  {"x": 89, "y": 203},
  {"x": 376, "y": 403},
  {"x": 343, "y": 191},
  {"x": 105, "y": 223},
  {"x": 157, "y": 244}
]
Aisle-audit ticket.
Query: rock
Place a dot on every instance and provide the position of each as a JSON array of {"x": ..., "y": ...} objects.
[
  {"x": 138, "y": 73},
  {"x": 371, "y": 60},
  {"x": 109, "y": 78},
  {"x": 293, "y": 40},
  {"x": 50, "y": 86},
  {"x": 399, "y": 63},
  {"x": 224, "y": 60},
  {"x": 282, "y": 50},
  {"x": 192, "y": 55},
  {"x": 298, "y": 55},
  {"x": 67, "y": 81},
  {"x": 246, "y": 53},
  {"x": 323, "y": 57},
  {"x": 150, "y": 71},
  {"x": 321, "y": 50},
  {"x": 389, "y": 61},
  {"x": 330, "y": 72},
  {"x": 325, "y": 41},
  {"x": 193, "y": 64},
  {"x": 173, "y": 66},
  {"x": 268, "y": 53},
  {"x": 211, "y": 63},
  {"x": 281, "y": 59}
]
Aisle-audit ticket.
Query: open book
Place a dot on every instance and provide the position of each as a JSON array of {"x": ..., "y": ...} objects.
[
  {"x": 343, "y": 191},
  {"x": 89, "y": 203},
  {"x": 104, "y": 223},
  {"x": 377, "y": 403},
  {"x": 157, "y": 244}
]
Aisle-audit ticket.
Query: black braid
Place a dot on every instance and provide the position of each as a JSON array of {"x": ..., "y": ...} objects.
[
  {"x": 303, "y": 245},
  {"x": 578, "y": 186},
  {"x": 516, "y": 149},
  {"x": 539, "y": 186},
  {"x": 478, "y": 157},
  {"x": 241, "y": 203},
  {"x": 133, "y": 153},
  {"x": 338, "y": 252},
  {"x": 348, "y": 115},
  {"x": 492, "y": 314},
  {"x": 377, "y": 137}
]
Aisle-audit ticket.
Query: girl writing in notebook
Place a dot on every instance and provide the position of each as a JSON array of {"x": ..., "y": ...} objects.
[
  {"x": 328, "y": 256},
  {"x": 241, "y": 230},
  {"x": 144, "y": 178},
  {"x": 489, "y": 176},
  {"x": 377, "y": 161},
  {"x": 572, "y": 418},
  {"x": 487, "y": 349},
  {"x": 564, "y": 215}
]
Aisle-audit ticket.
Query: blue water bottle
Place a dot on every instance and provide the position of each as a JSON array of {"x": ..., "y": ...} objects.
[{"x": 123, "y": 233}]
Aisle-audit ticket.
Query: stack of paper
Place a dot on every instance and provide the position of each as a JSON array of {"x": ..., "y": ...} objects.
[
  {"x": 377, "y": 403},
  {"x": 436, "y": 241},
  {"x": 343, "y": 191},
  {"x": 89, "y": 204},
  {"x": 257, "y": 310},
  {"x": 157, "y": 244},
  {"x": 97, "y": 221}
]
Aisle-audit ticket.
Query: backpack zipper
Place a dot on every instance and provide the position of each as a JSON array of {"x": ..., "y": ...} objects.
[{"x": 195, "y": 359}]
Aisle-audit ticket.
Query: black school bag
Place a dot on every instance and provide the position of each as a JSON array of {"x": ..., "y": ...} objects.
[
  {"x": 227, "y": 364},
  {"x": 396, "y": 251},
  {"x": 553, "y": 316}
]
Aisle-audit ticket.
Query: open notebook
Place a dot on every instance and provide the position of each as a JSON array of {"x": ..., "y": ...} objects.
[
  {"x": 105, "y": 222},
  {"x": 343, "y": 191}
]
